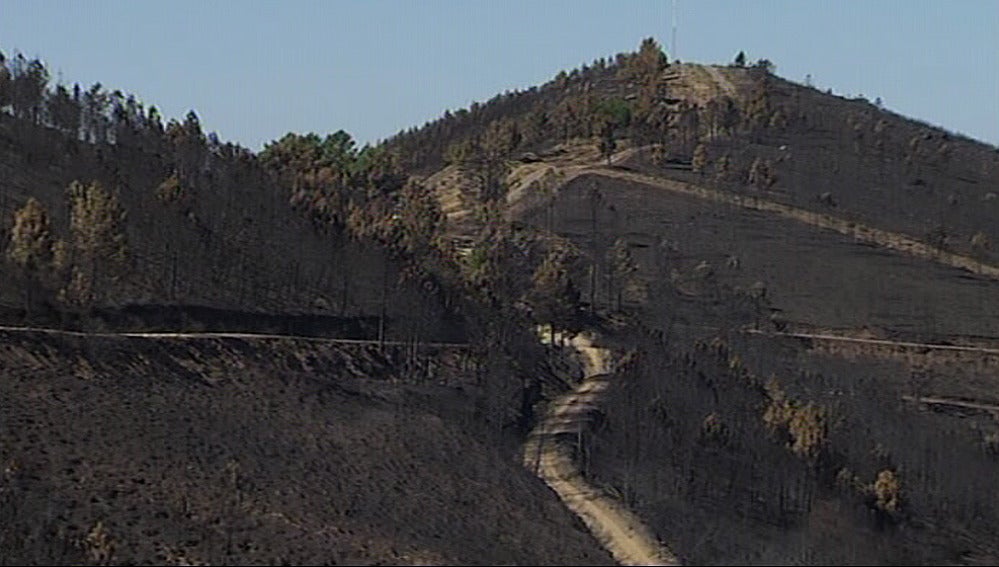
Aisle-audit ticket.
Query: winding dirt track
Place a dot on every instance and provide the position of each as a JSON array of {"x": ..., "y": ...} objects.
[{"x": 548, "y": 451}]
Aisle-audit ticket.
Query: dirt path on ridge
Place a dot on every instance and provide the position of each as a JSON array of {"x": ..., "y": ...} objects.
[{"x": 723, "y": 83}]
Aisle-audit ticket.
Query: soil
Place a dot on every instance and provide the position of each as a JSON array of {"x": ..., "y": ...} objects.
[{"x": 248, "y": 451}]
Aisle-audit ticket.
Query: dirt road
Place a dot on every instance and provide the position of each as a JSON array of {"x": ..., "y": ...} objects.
[
  {"x": 862, "y": 233},
  {"x": 876, "y": 342},
  {"x": 548, "y": 451},
  {"x": 723, "y": 83},
  {"x": 220, "y": 335}
]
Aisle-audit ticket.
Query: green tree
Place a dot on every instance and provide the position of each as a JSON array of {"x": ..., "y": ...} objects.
[
  {"x": 320, "y": 173},
  {"x": 31, "y": 247},
  {"x": 740, "y": 59},
  {"x": 612, "y": 115}
]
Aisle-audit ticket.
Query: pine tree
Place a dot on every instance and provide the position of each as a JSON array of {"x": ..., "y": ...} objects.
[
  {"x": 6, "y": 83},
  {"x": 553, "y": 296},
  {"x": 421, "y": 221},
  {"x": 645, "y": 66},
  {"x": 31, "y": 247},
  {"x": 28, "y": 82},
  {"x": 98, "y": 245},
  {"x": 623, "y": 272},
  {"x": 612, "y": 115},
  {"x": 700, "y": 161}
]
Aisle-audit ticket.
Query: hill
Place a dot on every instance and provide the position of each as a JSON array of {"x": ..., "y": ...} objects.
[
  {"x": 781, "y": 275},
  {"x": 735, "y": 203}
]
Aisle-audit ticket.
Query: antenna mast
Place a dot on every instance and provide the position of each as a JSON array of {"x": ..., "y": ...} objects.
[{"x": 673, "y": 47}]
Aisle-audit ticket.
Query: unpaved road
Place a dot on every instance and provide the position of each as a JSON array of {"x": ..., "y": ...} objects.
[
  {"x": 219, "y": 335},
  {"x": 862, "y": 233},
  {"x": 548, "y": 451},
  {"x": 875, "y": 342},
  {"x": 723, "y": 83}
]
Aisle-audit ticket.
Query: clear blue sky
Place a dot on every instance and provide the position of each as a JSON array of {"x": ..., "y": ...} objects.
[{"x": 256, "y": 70}]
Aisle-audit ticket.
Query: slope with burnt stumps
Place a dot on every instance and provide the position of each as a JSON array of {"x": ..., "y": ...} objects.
[{"x": 244, "y": 450}]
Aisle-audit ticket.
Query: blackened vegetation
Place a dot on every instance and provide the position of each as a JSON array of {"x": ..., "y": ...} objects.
[
  {"x": 227, "y": 451},
  {"x": 586, "y": 102},
  {"x": 193, "y": 221},
  {"x": 733, "y": 468},
  {"x": 735, "y": 452}
]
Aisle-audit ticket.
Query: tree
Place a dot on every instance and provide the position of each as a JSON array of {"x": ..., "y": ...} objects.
[
  {"x": 766, "y": 65},
  {"x": 740, "y": 59},
  {"x": 980, "y": 244},
  {"x": 498, "y": 142},
  {"x": 723, "y": 168},
  {"x": 612, "y": 114},
  {"x": 29, "y": 79},
  {"x": 758, "y": 113},
  {"x": 762, "y": 174},
  {"x": 700, "y": 160},
  {"x": 687, "y": 121},
  {"x": 6, "y": 87},
  {"x": 63, "y": 111},
  {"x": 98, "y": 245},
  {"x": 623, "y": 274},
  {"x": 31, "y": 246},
  {"x": 421, "y": 222},
  {"x": 645, "y": 65},
  {"x": 484, "y": 159},
  {"x": 553, "y": 297},
  {"x": 887, "y": 491}
]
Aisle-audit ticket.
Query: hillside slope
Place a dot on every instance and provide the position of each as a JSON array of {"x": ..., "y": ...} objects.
[
  {"x": 259, "y": 452},
  {"x": 755, "y": 206}
]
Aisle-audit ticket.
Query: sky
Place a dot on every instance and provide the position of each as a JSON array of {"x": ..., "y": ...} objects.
[{"x": 255, "y": 70}]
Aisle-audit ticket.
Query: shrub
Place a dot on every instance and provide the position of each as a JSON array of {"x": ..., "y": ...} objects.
[
  {"x": 991, "y": 443},
  {"x": 937, "y": 237},
  {"x": 713, "y": 430},
  {"x": 170, "y": 191},
  {"x": 762, "y": 174},
  {"x": 807, "y": 426},
  {"x": 980, "y": 242},
  {"x": 777, "y": 413},
  {"x": 887, "y": 491},
  {"x": 98, "y": 544}
]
